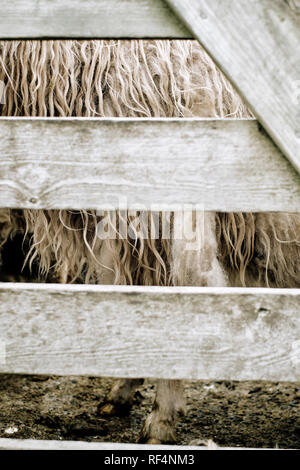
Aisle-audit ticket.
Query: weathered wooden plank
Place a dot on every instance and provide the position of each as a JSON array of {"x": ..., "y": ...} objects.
[
  {"x": 256, "y": 43},
  {"x": 122, "y": 331},
  {"x": 31, "y": 444},
  {"x": 89, "y": 19},
  {"x": 96, "y": 163}
]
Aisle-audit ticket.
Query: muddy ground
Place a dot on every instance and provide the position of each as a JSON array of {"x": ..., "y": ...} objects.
[{"x": 251, "y": 414}]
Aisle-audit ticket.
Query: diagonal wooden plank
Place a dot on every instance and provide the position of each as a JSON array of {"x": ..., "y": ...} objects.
[
  {"x": 89, "y": 19},
  {"x": 95, "y": 163},
  {"x": 161, "y": 332},
  {"x": 256, "y": 43}
]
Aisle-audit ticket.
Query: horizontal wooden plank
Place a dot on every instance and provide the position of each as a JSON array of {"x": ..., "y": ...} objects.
[
  {"x": 89, "y": 19},
  {"x": 255, "y": 42},
  {"x": 96, "y": 163},
  {"x": 31, "y": 444},
  {"x": 162, "y": 332}
]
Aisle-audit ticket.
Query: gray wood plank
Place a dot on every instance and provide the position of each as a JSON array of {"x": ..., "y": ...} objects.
[
  {"x": 150, "y": 163},
  {"x": 31, "y": 444},
  {"x": 256, "y": 43},
  {"x": 122, "y": 331},
  {"x": 89, "y": 19}
]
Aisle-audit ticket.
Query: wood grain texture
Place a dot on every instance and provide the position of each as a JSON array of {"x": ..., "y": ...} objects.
[
  {"x": 32, "y": 444},
  {"x": 105, "y": 163},
  {"x": 89, "y": 19},
  {"x": 122, "y": 331},
  {"x": 256, "y": 43}
]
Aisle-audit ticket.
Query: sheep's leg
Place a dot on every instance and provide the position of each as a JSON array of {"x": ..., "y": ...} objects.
[
  {"x": 120, "y": 398},
  {"x": 193, "y": 263},
  {"x": 168, "y": 405}
]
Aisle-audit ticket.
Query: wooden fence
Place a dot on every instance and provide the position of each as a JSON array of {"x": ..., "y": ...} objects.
[{"x": 228, "y": 165}]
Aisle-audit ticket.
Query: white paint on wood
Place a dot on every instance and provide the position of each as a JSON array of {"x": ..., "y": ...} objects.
[
  {"x": 162, "y": 332},
  {"x": 31, "y": 444},
  {"x": 89, "y": 19},
  {"x": 91, "y": 163},
  {"x": 256, "y": 43}
]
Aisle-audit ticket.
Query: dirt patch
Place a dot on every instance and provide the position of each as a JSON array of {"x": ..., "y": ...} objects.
[{"x": 251, "y": 414}]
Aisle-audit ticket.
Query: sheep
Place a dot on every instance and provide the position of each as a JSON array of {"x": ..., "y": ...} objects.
[{"x": 136, "y": 78}]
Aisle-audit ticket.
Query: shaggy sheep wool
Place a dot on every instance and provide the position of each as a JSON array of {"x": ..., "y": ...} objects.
[{"x": 136, "y": 78}]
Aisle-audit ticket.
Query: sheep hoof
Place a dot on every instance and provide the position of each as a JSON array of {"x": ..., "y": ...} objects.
[
  {"x": 153, "y": 441},
  {"x": 162, "y": 438},
  {"x": 142, "y": 439},
  {"x": 113, "y": 409},
  {"x": 107, "y": 409}
]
